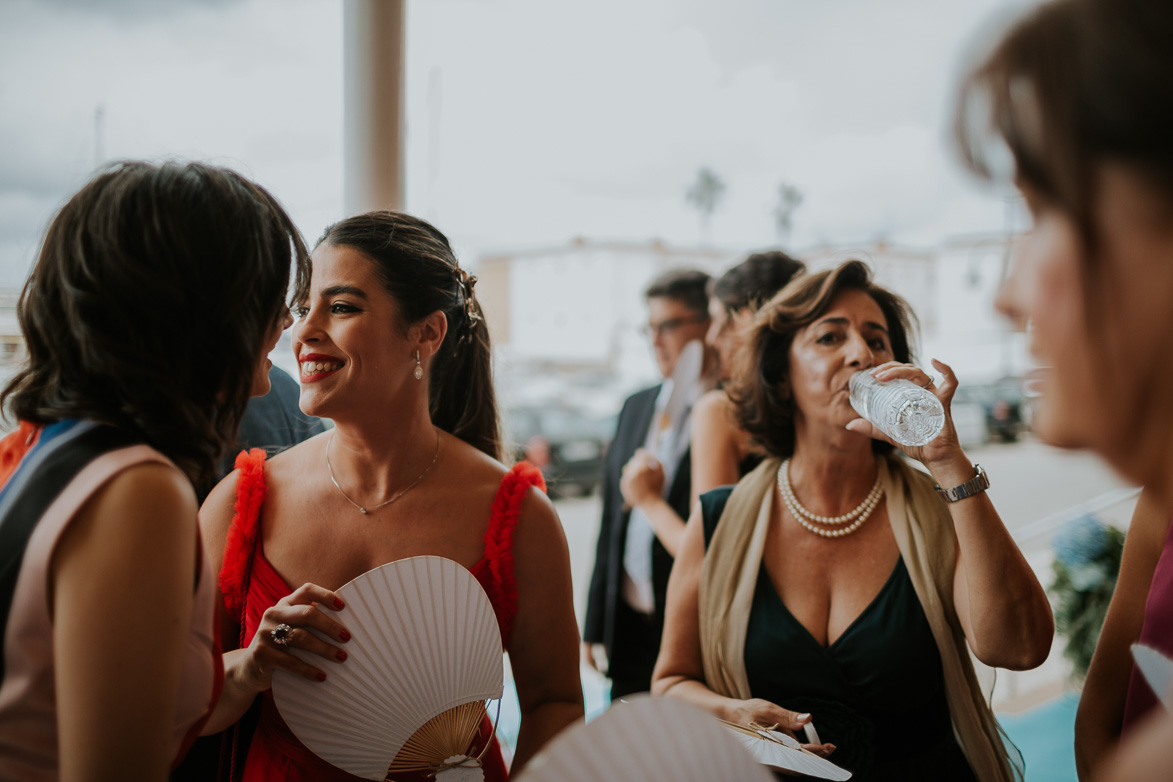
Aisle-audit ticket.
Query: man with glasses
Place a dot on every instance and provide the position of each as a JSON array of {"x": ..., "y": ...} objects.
[{"x": 625, "y": 606}]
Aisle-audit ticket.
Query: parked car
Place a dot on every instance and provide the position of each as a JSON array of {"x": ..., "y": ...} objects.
[
  {"x": 566, "y": 444},
  {"x": 1003, "y": 407}
]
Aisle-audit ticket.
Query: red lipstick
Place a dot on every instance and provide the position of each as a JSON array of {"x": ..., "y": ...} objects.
[{"x": 317, "y": 358}]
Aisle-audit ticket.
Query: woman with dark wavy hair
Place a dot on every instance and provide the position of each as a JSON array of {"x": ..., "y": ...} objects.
[
  {"x": 1079, "y": 92},
  {"x": 835, "y": 585},
  {"x": 156, "y": 296},
  {"x": 393, "y": 347}
]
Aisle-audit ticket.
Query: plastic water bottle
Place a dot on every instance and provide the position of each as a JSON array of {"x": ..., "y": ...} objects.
[{"x": 909, "y": 414}]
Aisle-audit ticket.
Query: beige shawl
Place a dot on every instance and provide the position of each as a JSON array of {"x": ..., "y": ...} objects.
[{"x": 927, "y": 541}]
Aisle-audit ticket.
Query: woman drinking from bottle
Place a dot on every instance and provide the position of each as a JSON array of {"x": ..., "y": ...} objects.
[{"x": 837, "y": 586}]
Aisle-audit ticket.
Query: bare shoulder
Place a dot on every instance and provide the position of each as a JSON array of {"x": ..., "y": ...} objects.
[
  {"x": 466, "y": 468},
  {"x": 132, "y": 504},
  {"x": 539, "y": 530},
  {"x": 714, "y": 405},
  {"x": 470, "y": 470},
  {"x": 714, "y": 416},
  {"x": 216, "y": 511},
  {"x": 219, "y": 506},
  {"x": 124, "y": 514},
  {"x": 150, "y": 487},
  {"x": 294, "y": 463},
  {"x": 538, "y": 512}
]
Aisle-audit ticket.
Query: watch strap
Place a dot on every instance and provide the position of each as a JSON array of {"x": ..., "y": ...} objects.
[{"x": 975, "y": 485}]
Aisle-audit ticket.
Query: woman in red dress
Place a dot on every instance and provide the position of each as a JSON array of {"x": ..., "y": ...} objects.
[{"x": 394, "y": 349}]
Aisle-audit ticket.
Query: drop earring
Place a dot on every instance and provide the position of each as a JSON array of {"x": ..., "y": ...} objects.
[{"x": 419, "y": 368}]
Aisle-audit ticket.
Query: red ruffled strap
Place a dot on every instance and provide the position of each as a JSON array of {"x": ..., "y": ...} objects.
[
  {"x": 14, "y": 446},
  {"x": 241, "y": 543},
  {"x": 499, "y": 541}
]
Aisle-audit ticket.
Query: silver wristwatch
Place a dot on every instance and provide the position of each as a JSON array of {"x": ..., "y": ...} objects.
[{"x": 975, "y": 485}]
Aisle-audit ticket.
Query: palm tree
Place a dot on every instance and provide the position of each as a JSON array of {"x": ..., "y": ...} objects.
[
  {"x": 704, "y": 195},
  {"x": 789, "y": 199}
]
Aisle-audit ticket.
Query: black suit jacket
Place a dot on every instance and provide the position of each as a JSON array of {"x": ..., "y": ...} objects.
[{"x": 606, "y": 590}]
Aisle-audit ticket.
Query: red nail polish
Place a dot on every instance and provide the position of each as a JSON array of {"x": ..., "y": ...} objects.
[
  {"x": 344, "y": 635},
  {"x": 321, "y": 676},
  {"x": 338, "y": 604},
  {"x": 341, "y": 656}
]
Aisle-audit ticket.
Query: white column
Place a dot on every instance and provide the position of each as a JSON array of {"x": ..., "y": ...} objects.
[{"x": 373, "y": 105}]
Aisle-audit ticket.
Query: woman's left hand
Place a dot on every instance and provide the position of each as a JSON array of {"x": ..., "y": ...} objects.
[
  {"x": 945, "y": 447},
  {"x": 295, "y": 614}
]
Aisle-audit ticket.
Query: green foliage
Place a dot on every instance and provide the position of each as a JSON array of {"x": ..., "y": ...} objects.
[{"x": 1081, "y": 591}]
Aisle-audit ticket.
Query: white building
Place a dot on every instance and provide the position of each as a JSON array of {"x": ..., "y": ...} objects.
[
  {"x": 574, "y": 311},
  {"x": 566, "y": 319}
]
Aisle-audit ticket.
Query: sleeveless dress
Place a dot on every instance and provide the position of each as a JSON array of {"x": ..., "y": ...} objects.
[
  {"x": 28, "y": 707},
  {"x": 1157, "y": 632},
  {"x": 877, "y": 693},
  {"x": 251, "y": 585}
]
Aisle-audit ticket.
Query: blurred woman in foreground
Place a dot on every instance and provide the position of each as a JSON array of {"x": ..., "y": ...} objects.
[{"x": 1080, "y": 92}]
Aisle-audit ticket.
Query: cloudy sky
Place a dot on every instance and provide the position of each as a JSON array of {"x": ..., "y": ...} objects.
[{"x": 529, "y": 121}]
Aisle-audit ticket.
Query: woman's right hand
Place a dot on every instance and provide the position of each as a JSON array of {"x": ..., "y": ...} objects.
[
  {"x": 299, "y": 611},
  {"x": 757, "y": 711},
  {"x": 642, "y": 479}
]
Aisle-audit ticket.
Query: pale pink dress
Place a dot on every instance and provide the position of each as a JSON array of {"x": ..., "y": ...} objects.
[{"x": 28, "y": 711}]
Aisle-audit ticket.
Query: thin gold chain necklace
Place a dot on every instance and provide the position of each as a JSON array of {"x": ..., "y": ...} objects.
[{"x": 363, "y": 509}]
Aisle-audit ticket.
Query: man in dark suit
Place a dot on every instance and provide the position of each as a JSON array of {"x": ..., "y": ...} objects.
[{"x": 625, "y": 606}]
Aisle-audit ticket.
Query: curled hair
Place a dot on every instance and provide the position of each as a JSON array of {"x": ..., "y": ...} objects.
[
  {"x": 416, "y": 266},
  {"x": 1073, "y": 85},
  {"x": 754, "y": 280},
  {"x": 761, "y": 393},
  {"x": 150, "y": 304}
]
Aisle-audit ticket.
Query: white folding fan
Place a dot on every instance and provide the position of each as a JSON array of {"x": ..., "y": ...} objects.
[
  {"x": 424, "y": 657},
  {"x": 783, "y": 753},
  {"x": 646, "y": 738},
  {"x": 1157, "y": 670}
]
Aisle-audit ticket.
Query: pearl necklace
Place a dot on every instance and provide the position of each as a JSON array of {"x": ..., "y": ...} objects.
[
  {"x": 808, "y": 520},
  {"x": 363, "y": 509}
]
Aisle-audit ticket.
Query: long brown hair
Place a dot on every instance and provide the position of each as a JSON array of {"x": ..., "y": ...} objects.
[
  {"x": 149, "y": 305},
  {"x": 416, "y": 266},
  {"x": 1073, "y": 85}
]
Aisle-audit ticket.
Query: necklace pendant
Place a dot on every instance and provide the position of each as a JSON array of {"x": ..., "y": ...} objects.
[{"x": 362, "y": 510}]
